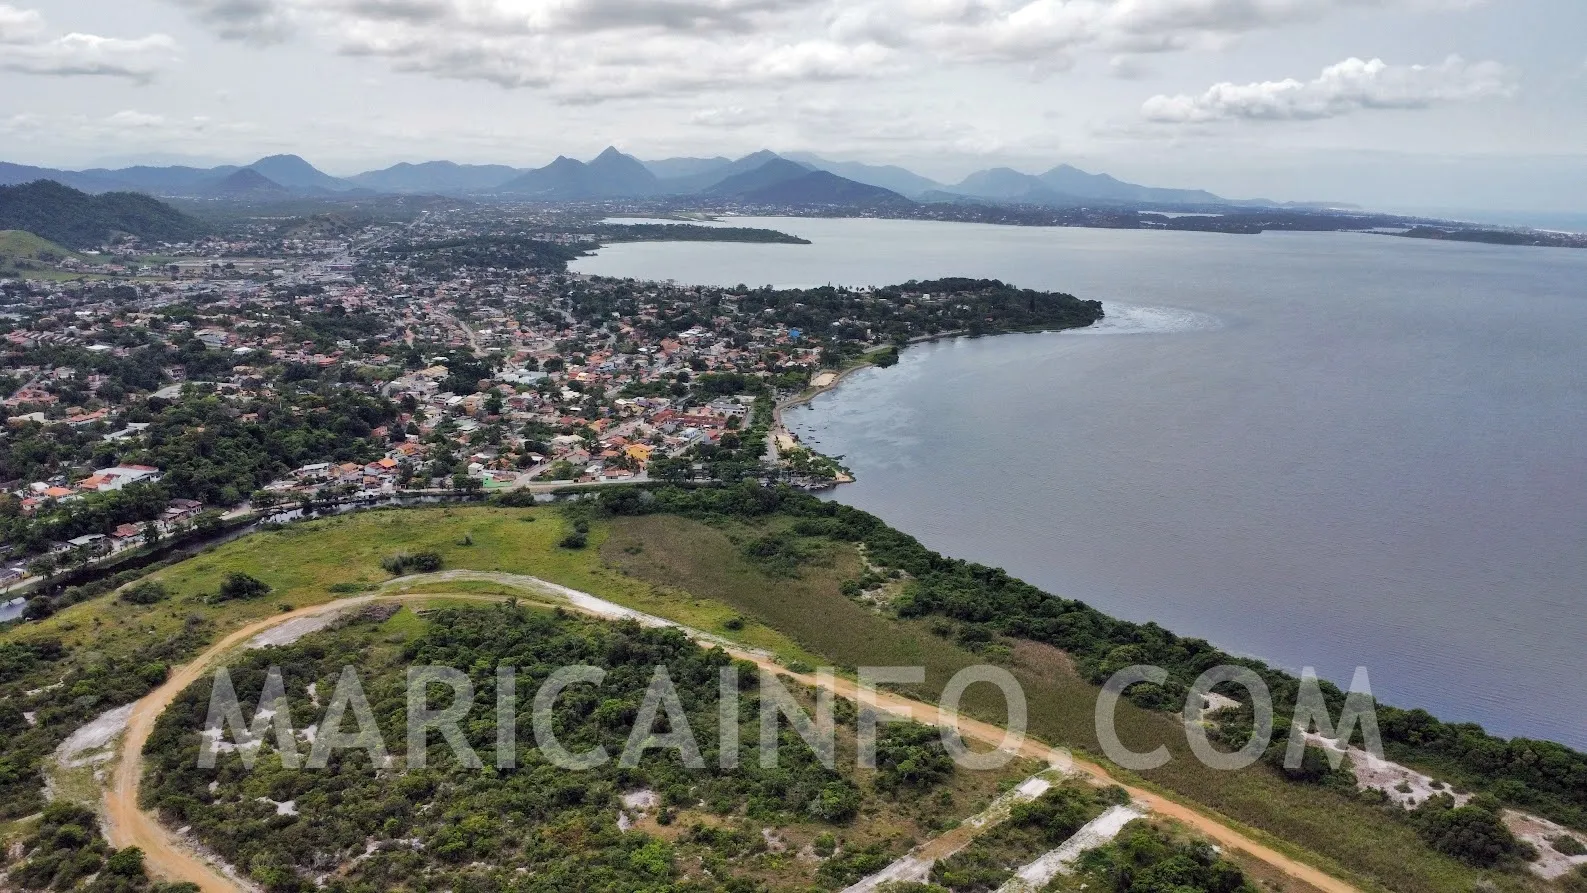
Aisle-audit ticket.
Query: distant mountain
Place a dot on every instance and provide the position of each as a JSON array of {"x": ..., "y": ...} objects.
[
  {"x": 87, "y": 181},
  {"x": 1004, "y": 184},
  {"x": 246, "y": 183},
  {"x": 1067, "y": 180},
  {"x": 672, "y": 168},
  {"x": 437, "y": 176},
  {"x": 611, "y": 175},
  {"x": 298, "y": 175},
  {"x": 778, "y": 183},
  {"x": 1065, "y": 186},
  {"x": 164, "y": 180},
  {"x": 710, "y": 177},
  {"x": 768, "y": 173},
  {"x": 79, "y": 220},
  {"x": 888, "y": 176}
]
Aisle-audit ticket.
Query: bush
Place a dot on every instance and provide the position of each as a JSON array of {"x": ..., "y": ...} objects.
[
  {"x": 1568, "y": 844},
  {"x": 240, "y": 587},
  {"x": 1474, "y": 834},
  {"x": 421, "y": 562},
  {"x": 574, "y": 540},
  {"x": 146, "y": 594}
]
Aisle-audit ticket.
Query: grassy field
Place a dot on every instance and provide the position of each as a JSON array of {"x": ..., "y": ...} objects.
[
  {"x": 699, "y": 575},
  {"x": 1338, "y": 832}
]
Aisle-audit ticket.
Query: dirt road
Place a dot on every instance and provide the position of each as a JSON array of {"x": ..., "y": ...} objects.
[{"x": 169, "y": 858}]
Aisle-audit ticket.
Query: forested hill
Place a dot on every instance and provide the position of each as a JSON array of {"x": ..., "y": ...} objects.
[{"x": 79, "y": 220}]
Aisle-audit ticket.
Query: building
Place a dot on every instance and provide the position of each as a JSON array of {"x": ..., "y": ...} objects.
[{"x": 107, "y": 480}]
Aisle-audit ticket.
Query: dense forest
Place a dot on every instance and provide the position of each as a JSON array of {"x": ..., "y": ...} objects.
[
  {"x": 457, "y": 256},
  {"x": 79, "y": 220},
  {"x": 609, "y": 233},
  {"x": 541, "y": 827},
  {"x": 846, "y": 320}
]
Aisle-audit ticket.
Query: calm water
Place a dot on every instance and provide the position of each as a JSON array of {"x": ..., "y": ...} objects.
[{"x": 1323, "y": 450}]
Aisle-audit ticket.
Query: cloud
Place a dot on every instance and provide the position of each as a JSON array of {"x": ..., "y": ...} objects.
[
  {"x": 254, "y": 21},
  {"x": 25, "y": 48},
  {"x": 583, "y": 51},
  {"x": 19, "y": 25},
  {"x": 1350, "y": 86}
]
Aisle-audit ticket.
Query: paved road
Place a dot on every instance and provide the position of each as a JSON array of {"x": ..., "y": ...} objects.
[{"x": 167, "y": 857}]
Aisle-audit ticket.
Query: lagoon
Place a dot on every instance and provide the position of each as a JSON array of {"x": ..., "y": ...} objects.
[{"x": 1326, "y": 450}]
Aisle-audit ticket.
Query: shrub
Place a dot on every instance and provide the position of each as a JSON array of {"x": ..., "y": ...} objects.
[
  {"x": 1568, "y": 844},
  {"x": 420, "y": 562},
  {"x": 240, "y": 587},
  {"x": 145, "y": 594},
  {"x": 1474, "y": 834}
]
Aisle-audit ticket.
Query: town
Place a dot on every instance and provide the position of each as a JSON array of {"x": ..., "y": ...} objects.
[{"x": 166, "y": 388}]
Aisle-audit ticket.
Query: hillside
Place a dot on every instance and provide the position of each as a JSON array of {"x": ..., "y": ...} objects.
[
  {"x": 22, "y": 252},
  {"x": 770, "y": 173},
  {"x": 823, "y": 188},
  {"x": 62, "y": 214},
  {"x": 246, "y": 183}
]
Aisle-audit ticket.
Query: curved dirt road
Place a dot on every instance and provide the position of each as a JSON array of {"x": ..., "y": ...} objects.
[{"x": 167, "y": 857}]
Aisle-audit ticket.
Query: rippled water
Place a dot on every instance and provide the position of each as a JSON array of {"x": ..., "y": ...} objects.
[{"x": 1323, "y": 450}]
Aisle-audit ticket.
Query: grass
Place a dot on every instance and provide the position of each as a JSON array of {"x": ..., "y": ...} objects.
[
  {"x": 1326, "y": 828},
  {"x": 697, "y": 574}
]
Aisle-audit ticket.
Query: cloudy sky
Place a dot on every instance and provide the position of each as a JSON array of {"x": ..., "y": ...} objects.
[{"x": 1392, "y": 103}]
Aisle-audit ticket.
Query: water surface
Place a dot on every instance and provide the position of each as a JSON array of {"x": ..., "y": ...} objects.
[{"x": 1326, "y": 450}]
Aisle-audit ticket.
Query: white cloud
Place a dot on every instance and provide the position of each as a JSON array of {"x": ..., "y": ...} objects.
[
  {"x": 1350, "y": 86},
  {"x": 25, "y": 48},
  {"x": 585, "y": 51},
  {"x": 19, "y": 25}
]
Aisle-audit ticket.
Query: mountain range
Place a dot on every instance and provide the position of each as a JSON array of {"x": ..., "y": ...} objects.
[{"x": 763, "y": 177}]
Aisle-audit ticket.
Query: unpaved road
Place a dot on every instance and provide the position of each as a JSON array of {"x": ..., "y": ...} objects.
[{"x": 167, "y": 857}]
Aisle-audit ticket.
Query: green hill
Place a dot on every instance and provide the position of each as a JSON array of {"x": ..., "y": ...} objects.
[
  {"x": 22, "y": 252},
  {"x": 64, "y": 215}
]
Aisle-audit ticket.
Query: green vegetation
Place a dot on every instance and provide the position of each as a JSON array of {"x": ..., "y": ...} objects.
[
  {"x": 1031, "y": 829},
  {"x": 1568, "y": 844},
  {"x": 418, "y": 563},
  {"x": 539, "y": 826},
  {"x": 692, "y": 569},
  {"x": 64, "y": 215},
  {"x": 1474, "y": 833},
  {"x": 91, "y": 656},
  {"x": 502, "y": 252},
  {"x": 24, "y": 254},
  {"x": 611, "y": 233},
  {"x": 1353, "y": 834},
  {"x": 65, "y": 852},
  {"x": 1148, "y": 859}
]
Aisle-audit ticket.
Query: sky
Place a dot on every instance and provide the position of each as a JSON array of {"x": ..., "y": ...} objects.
[{"x": 1394, "y": 104}]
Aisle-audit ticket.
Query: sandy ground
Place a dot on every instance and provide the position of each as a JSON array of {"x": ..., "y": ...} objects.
[
  {"x": 1538, "y": 831},
  {"x": 1390, "y": 778},
  {"x": 291, "y": 631},
  {"x": 1410, "y": 788},
  {"x": 89, "y": 744},
  {"x": 168, "y": 858}
]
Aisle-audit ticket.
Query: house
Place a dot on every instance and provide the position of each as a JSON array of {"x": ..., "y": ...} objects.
[
  {"x": 127, "y": 534},
  {"x": 107, "y": 480},
  {"x": 180, "y": 510},
  {"x": 95, "y": 543}
]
